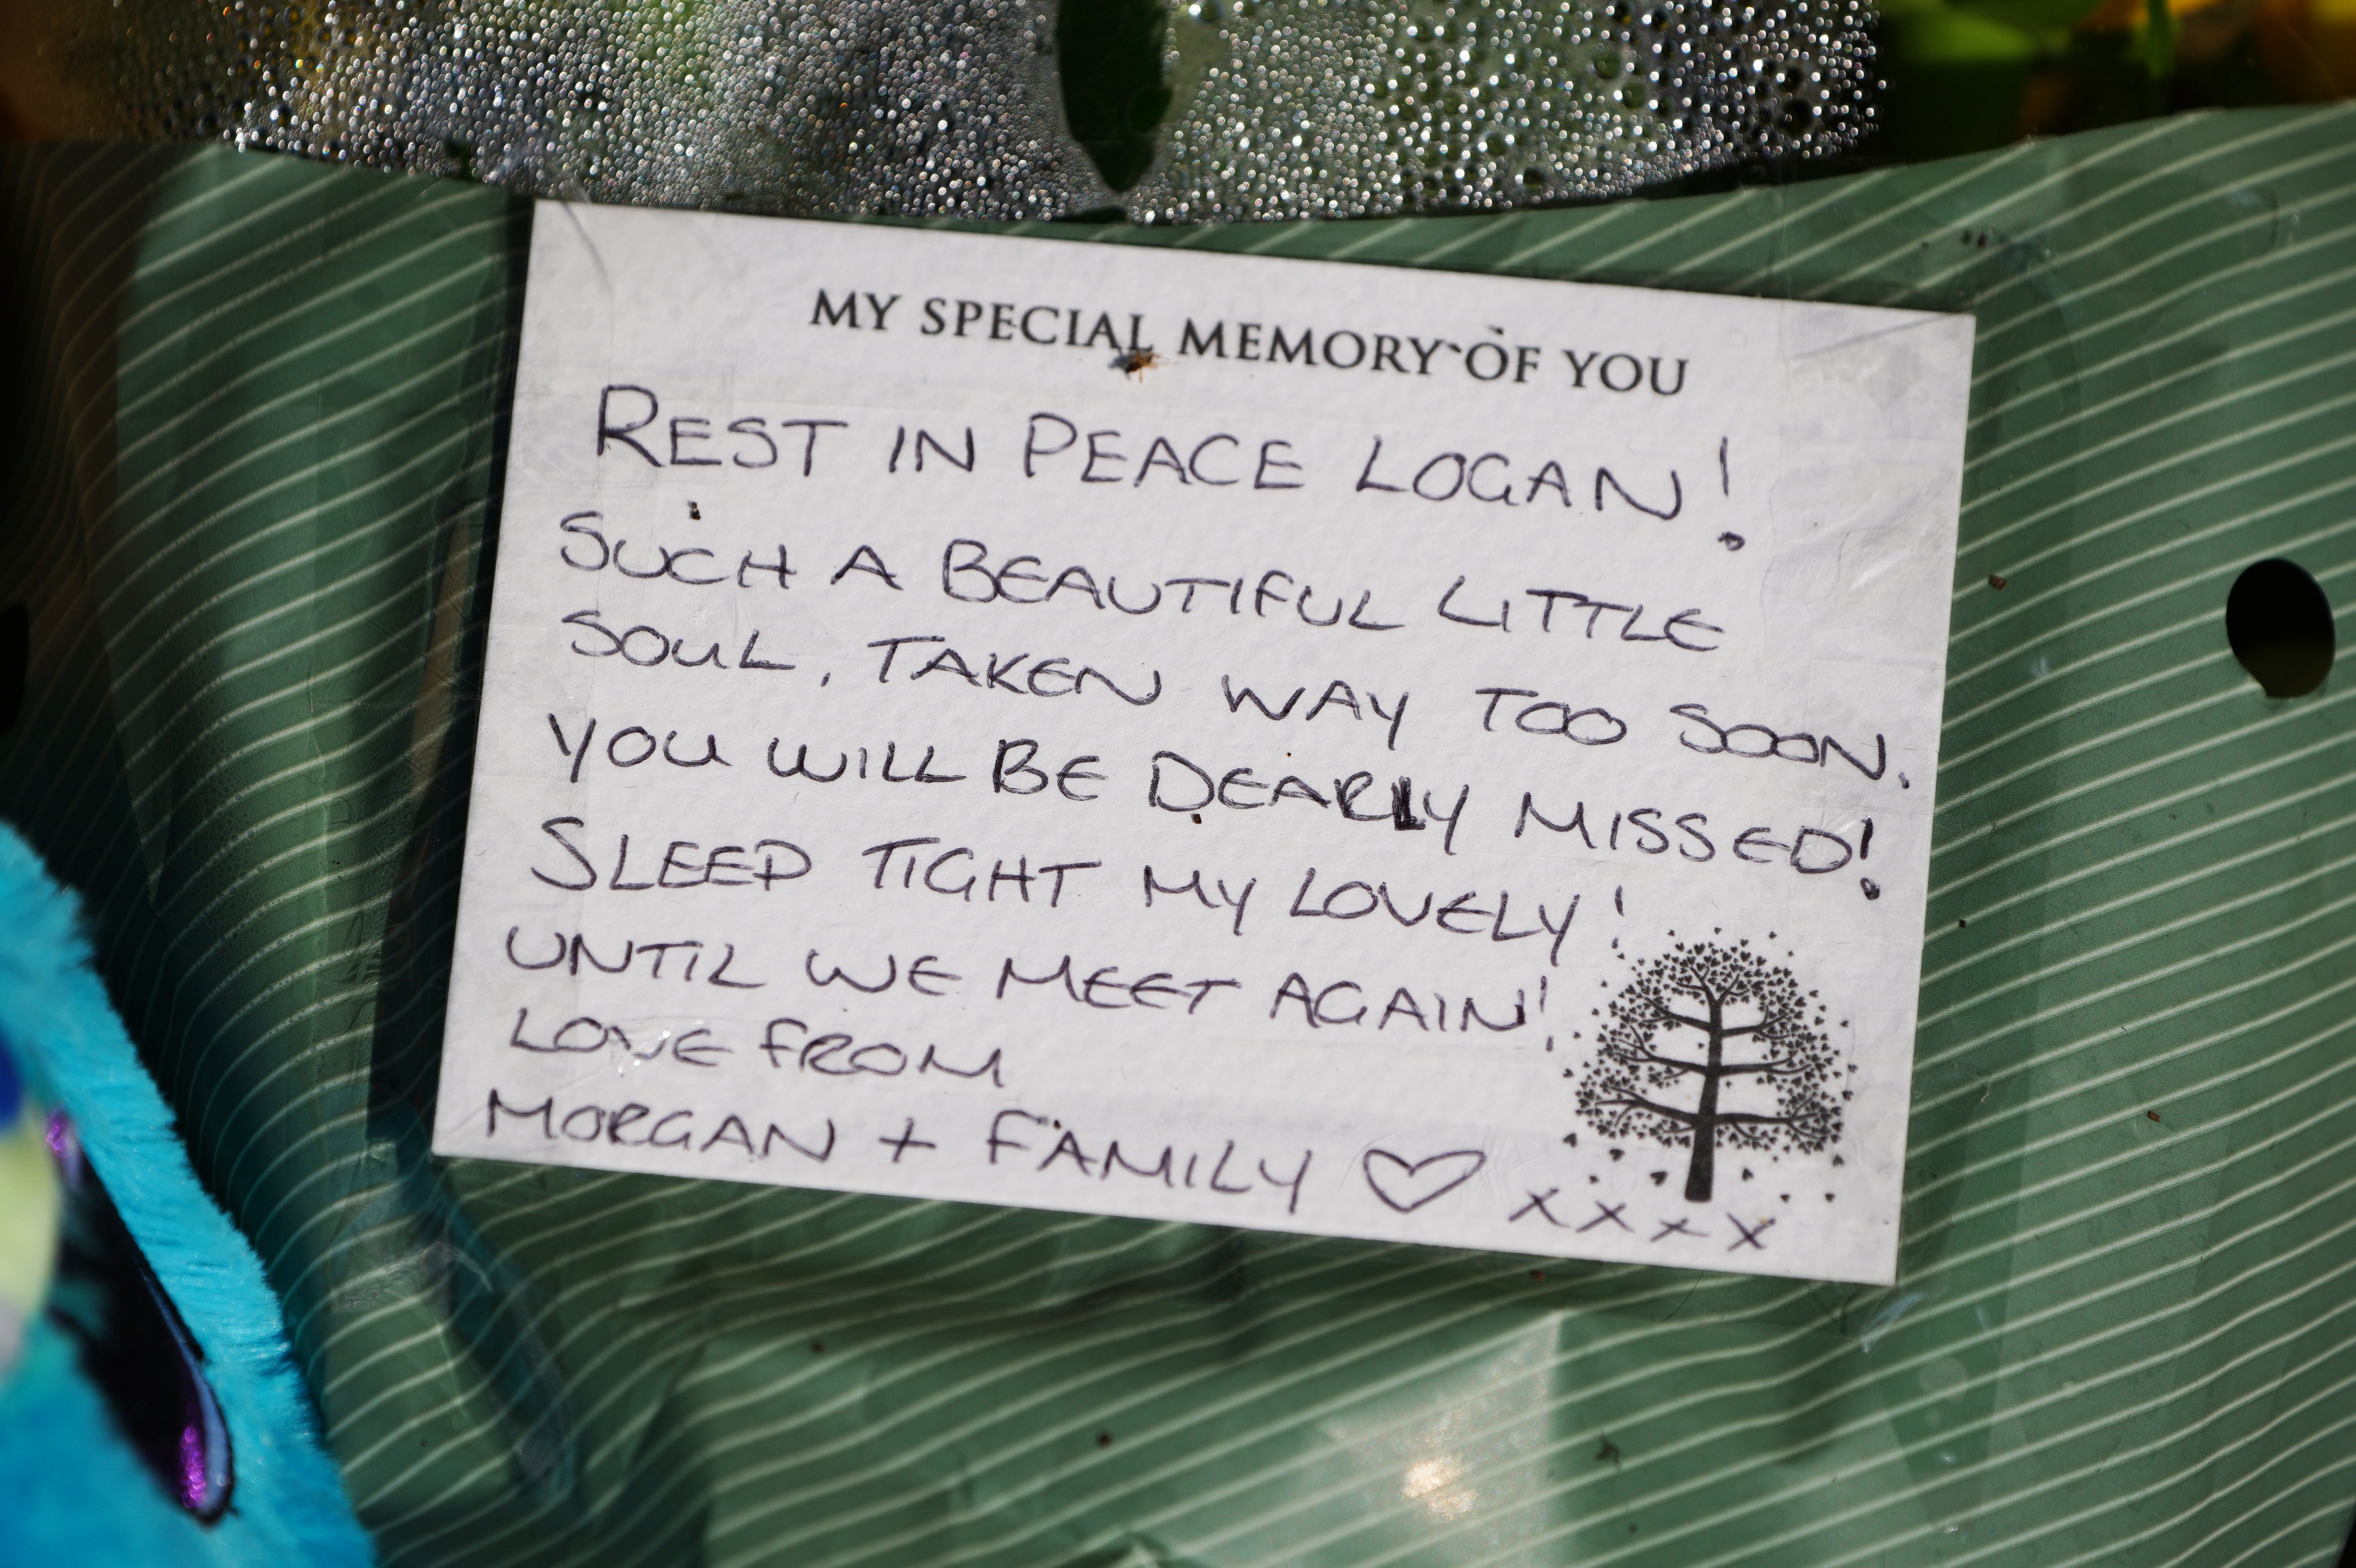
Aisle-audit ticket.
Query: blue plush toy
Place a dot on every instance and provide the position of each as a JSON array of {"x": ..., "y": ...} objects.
[{"x": 150, "y": 1414}]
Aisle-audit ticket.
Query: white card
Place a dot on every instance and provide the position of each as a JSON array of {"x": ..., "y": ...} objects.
[{"x": 1412, "y": 756}]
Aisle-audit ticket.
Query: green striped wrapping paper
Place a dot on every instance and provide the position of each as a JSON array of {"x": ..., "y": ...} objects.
[{"x": 253, "y": 452}]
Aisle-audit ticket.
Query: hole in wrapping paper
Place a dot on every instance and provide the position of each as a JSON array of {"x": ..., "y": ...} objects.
[{"x": 2279, "y": 624}]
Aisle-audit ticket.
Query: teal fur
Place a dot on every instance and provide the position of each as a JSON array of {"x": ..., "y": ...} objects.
[{"x": 72, "y": 1494}]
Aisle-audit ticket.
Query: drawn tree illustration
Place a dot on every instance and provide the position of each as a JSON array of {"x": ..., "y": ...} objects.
[{"x": 1711, "y": 1044}]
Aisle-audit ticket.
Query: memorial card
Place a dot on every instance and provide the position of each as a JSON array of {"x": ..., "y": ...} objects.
[{"x": 1297, "y": 746}]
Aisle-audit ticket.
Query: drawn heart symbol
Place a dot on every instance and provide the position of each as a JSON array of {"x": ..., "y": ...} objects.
[{"x": 1408, "y": 1187}]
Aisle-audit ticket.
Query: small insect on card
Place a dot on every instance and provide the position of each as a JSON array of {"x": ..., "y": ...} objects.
[{"x": 1294, "y": 745}]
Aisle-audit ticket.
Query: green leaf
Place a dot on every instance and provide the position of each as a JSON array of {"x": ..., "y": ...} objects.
[{"x": 1109, "y": 56}]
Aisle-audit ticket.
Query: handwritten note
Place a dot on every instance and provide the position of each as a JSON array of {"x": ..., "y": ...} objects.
[{"x": 1292, "y": 745}]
